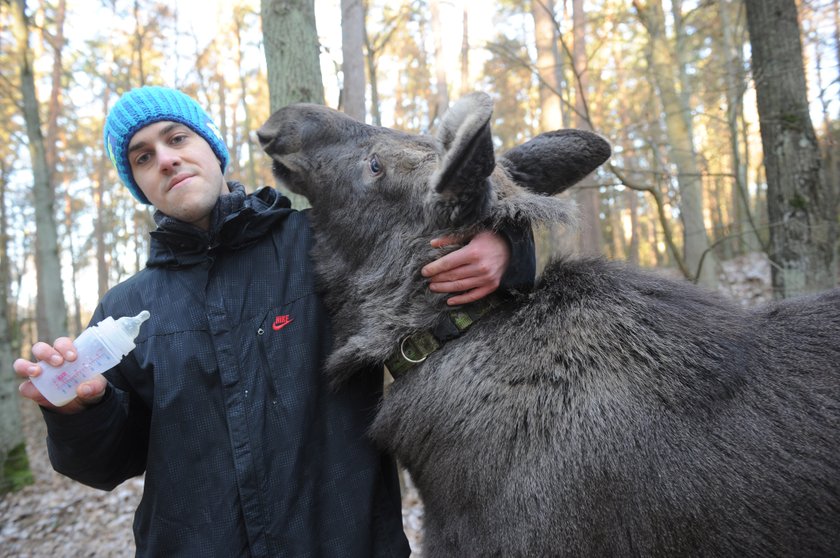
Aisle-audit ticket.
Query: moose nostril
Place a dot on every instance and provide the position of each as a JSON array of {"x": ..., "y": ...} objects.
[
  {"x": 264, "y": 137},
  {"x": 279, "y": 138}
]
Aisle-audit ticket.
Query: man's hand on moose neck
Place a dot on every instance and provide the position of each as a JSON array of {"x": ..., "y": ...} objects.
[{"x": 473, "y": 271}]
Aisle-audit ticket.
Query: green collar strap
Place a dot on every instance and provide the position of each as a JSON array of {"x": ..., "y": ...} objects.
[{"x": 417, "y": 347}]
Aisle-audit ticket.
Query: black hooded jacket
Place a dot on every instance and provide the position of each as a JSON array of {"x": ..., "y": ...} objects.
[{"x": 245, "y": 448}]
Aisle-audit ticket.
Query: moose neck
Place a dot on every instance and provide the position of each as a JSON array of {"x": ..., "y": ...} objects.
[{"x": 376, "y": 297}]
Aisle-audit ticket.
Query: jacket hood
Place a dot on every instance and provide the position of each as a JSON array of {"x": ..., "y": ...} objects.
[{"x": 238, "y": 220}]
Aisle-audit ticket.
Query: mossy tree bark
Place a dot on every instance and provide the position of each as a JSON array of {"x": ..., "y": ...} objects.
[{"x": 801, "y": 207}]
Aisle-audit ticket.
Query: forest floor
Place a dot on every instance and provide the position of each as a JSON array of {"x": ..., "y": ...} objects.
[{"x": 56, "y": 517}]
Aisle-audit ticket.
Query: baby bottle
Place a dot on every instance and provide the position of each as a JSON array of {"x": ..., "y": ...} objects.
[{"x": 98, "y": 349}]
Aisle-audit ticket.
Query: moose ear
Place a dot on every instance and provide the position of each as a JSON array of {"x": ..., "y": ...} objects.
[
  {"x": 554, "y": 161},
  {"x": 468, "y": 159}
]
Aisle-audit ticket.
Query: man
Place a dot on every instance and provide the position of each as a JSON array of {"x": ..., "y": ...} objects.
[{"x": 246, "y": 449}]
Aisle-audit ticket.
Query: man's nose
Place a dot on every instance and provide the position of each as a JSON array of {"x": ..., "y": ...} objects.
[{"x": 168, "y": 158}]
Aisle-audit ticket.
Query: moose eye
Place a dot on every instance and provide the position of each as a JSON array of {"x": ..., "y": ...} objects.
[{"x": 375, "y": 167}]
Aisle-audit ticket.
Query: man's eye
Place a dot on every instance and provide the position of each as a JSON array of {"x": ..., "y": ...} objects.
[
  {"x": 142, "y": 159},
  {"x": 179, "y": 138}
]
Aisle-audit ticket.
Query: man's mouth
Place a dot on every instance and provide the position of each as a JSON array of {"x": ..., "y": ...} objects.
[{"x": 178, "y": 180}]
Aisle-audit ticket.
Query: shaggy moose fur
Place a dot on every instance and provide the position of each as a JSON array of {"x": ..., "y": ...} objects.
[{"x": 609, "y": 412}]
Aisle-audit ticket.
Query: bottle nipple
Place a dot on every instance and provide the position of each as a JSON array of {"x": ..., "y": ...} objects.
[{"x": 131, "y": 325}]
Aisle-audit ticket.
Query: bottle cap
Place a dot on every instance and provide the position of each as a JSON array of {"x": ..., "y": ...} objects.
[{"x": 119, "y": 335}]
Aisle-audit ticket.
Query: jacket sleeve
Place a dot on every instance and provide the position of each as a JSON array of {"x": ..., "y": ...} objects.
[
  {"x": 105, "y": 444},
  {"x": 522, "y": 268},
  {"x": 101, "y": 446}
]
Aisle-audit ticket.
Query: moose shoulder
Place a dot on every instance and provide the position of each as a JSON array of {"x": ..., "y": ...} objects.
[{"x": 609, "y": 412}]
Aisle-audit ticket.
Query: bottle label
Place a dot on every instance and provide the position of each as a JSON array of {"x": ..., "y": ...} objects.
[
  {"x": 58, "y": 385},
  {"x": 68, "y": 377}
]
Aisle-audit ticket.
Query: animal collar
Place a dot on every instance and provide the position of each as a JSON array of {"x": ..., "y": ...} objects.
[{"x": 417, "y": 347}]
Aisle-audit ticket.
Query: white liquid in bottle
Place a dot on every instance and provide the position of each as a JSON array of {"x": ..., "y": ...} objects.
[{"x": 98, "y": 348}]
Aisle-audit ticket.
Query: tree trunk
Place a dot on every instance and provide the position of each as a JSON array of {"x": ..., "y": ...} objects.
[
  {"x": 99, "y": 203},
  {"x": 822, "y": 83},
  {"x": 587, "y": 195},
  {"x": 835, "y": 4},
  {"x": 370, "y": 60},
  {"x": 802, "y": 210},
  {"x": 246, "y": 111},
  {"x": 666, "y": 76},
  {"x": 292, "y": 52},
  {"x": 139, "y": 49},
  {"x": 549, "y": 71},
  {"x": 14, "y": 469},
  {"x": 548, "y": 64},
  {"x": 441, "y": 86},
  {"x": 54, "y": 106},
  {"x": 76, "y": 325},
  {"x": 51, "y": 312},
  {"x": 743, "y": 222},
  {"x": 353, "y": 65},
  {"x": 633, "y": 205},
  {"x": 222, "y": 121},
  {"x": 616, "y": 247},
  {"x": 466, "y": 86},
  {"x": 832, "y": 158}
]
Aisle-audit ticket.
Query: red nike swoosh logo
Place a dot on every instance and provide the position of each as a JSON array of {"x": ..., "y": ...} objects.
[{"x": 280, "y": 322}]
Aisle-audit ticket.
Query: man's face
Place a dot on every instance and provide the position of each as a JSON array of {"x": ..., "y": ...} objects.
[{"x": 177, "y": 171}]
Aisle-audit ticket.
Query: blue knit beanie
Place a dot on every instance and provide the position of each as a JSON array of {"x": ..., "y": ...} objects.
[{"x": 139, "y": 108}]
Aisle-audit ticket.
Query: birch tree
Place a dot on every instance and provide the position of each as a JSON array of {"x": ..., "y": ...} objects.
[
  {"x": 353, "y": 58},
  {"x": 51, "y": 308},
  {"x": 466, "y": 86},
  {"x": 241, "y": 29},
  {"x": 802, "y": 210},
  {"x": 549, "y": 64},
  {"x": 441, "y": 102},
  {"x": 99, "y": 223},
  {"x": 13, "y": 467},
  {"x": 549, "y": 70},
  {"x": 12, "y": 451},
  {"x": 735, "y": 87},
  {"x": 665, "y": 73},
  {"x": 591, "y": 239}
]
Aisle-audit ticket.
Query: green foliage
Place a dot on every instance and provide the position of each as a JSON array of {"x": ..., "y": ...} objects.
[
  {"x": 792, "y": 121},
  {"x": 16, "y": 471},
  {"x": 798, "y": 202}
]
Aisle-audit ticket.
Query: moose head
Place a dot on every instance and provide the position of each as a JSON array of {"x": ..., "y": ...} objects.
[{"x": 379, "y": 196}]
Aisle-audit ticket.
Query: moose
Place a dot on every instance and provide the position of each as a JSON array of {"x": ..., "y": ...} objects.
[{"x": 607, "y": 412}]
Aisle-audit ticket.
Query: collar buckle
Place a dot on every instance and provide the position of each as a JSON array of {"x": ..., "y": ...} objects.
[
  {"x": 408, "y": 358},
  {"x": 417, "y": 347}
]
